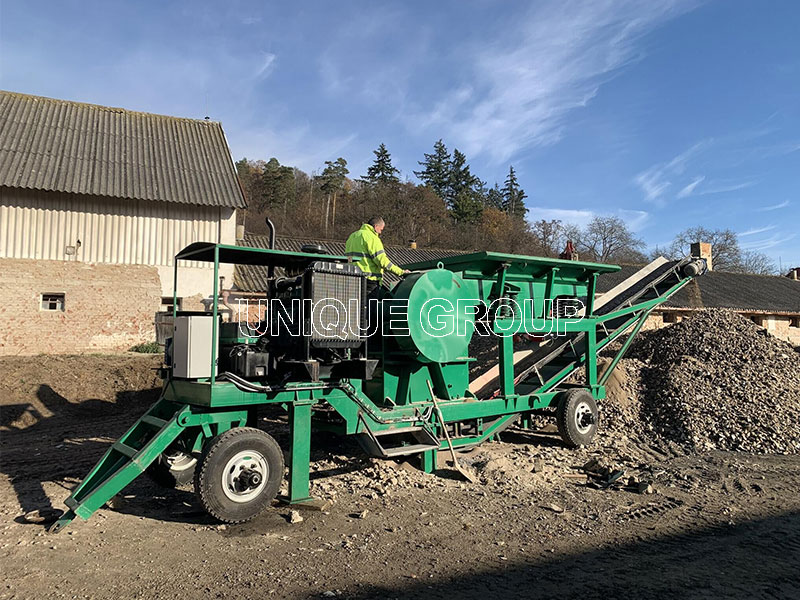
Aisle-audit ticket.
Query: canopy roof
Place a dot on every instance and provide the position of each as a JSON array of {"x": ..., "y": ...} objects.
[
  {"x": 489, "y": 262},
  {"x": 240, "y": 255}
]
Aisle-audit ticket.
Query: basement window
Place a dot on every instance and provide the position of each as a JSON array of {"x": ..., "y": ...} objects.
[
  {"x": 53, "y": 302},
  {"x": 795, "y": 322},
  {"x": 670, "y": 317}
]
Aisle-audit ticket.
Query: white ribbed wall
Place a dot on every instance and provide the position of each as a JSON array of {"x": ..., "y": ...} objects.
[{"x": 42, "y": 224}]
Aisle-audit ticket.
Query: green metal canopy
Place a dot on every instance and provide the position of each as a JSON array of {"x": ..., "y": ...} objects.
[
  {"x": 240, "y": 255},
  {"x": 490, "y": 262}
]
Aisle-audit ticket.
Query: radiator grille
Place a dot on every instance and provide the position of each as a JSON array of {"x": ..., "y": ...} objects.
[{"x": 337, "y": 307}]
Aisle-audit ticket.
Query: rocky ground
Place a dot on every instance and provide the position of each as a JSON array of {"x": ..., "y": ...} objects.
[{"x": 643, "y": 511}]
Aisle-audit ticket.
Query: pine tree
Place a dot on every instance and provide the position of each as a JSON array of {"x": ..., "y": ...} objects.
[
  {"x": 494, "y": 198},
  {"x": 382, "y": 171},
  {"x": 332, "y": 181},
  {"x": 463, "y": 198},
  {"x": 513, "y": 196},
  {"x": 436, "y": 170}
]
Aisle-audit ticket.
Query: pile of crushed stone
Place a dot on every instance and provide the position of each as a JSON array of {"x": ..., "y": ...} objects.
[{"x": 713, "y": 381}]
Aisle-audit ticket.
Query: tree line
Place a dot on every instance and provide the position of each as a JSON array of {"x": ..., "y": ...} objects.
[{"x": 450, "y": 208}]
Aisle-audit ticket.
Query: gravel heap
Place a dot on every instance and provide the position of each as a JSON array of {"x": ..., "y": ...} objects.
[{"x": 716, "y": 381}]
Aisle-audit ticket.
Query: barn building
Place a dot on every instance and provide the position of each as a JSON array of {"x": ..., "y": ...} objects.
[{"x": 94, "y": 204}]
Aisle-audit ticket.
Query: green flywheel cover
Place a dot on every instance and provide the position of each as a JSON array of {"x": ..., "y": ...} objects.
[{"x": 434, "y": 319}]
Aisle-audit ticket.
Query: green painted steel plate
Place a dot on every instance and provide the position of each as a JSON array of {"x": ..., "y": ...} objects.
[{"x": 439, "y": 327}]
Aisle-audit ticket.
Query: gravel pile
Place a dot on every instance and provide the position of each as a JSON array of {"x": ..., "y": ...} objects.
[{"x": 715, "y": 381}]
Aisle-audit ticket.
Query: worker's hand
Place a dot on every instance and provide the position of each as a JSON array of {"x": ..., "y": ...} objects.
[{"x": 406, "y": 272}]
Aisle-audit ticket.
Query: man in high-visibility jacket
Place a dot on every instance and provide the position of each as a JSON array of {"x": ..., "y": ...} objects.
[{"x": 364, "y": 247}]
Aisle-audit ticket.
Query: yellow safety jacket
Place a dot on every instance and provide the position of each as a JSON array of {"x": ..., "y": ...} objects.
[{"x": 364, "y": 247}]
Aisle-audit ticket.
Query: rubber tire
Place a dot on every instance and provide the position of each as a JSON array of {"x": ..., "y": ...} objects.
[
  {"x": 208, "y": 476},
  {"x": 164, "y": 475},
  {"x": 565, "y": 417}
]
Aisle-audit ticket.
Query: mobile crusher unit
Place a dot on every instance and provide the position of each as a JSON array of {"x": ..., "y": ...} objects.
[{"x": 402, "y": 390}]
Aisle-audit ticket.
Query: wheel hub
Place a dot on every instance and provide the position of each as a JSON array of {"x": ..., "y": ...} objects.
[
  {"x": 245, "y": 476},
  {"x": 584, "y": 418}
]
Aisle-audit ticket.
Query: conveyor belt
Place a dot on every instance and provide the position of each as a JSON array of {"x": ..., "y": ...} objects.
[{"x": 534, "y": 369}]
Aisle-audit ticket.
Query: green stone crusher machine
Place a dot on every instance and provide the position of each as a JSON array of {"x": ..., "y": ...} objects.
[{"x": 403, "y": 386}]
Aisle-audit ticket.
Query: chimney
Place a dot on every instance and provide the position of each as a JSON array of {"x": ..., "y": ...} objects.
[
  {"x": 412, "y": 244},
  {"x": 702, "y": 250},
  {"x": 794, "y": 274}
]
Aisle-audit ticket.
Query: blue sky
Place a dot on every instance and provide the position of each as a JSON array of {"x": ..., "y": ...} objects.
[{"x": 669, "y": 114}]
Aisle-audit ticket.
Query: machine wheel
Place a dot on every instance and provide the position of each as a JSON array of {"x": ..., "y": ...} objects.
[
  {"x": 239, "y": 475},
  {"x": 577, "y": 417},
  {"x": 173, "y": 469}
]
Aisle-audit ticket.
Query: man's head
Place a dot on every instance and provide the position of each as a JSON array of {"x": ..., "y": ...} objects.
[{"x": 377, "y": 224}]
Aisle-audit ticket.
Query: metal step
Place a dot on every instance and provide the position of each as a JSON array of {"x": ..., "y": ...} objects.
[
  {"x": 128, "y": 457},
  {"x": 389, "y": 443}
]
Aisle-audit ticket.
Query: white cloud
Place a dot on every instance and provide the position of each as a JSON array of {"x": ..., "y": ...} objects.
[
  {"x": 767, "y": 243},
  {"x": 655, "y": 180},
  {"x": 634, "y": 219},
  {"x": 687, "y": 190},
  {"x": 571, "y": 217},
  {"x": 265, "y": 67},
  {"x": 523, "y": 87},
  {"x": 778, "y": 206},
  {"x": 727, "y": 187},
  {"x": 757, "y": 230}
]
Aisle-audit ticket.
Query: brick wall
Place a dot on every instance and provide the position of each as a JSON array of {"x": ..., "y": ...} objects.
[{"x": 106, "y": 307}]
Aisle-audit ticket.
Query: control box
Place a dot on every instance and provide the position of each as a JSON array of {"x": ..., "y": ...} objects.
[{"x": 191, "y": 346}]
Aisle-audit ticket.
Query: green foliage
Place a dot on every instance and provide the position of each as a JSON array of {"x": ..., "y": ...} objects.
[
  {"x": 331, "y": 183},
  {"x": 382, "y": 172},
  {"x": 514, "y": 196},
  {"x": 436, "y": 170},
  {"x": 494, "y": 198},
  {"x": 147, "y": 348}
]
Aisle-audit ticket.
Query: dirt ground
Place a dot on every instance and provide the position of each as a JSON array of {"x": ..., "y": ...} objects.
[{"x": 716, "y": 525}]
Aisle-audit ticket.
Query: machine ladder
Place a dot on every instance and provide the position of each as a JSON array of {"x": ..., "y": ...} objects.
[{"x": 125, "y": 460}]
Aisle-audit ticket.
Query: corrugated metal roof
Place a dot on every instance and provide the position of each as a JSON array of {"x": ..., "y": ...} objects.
[
  {"x": 63, "y": 146},
  {"x": 254, "y": 279},
  {"x": 719, "y": 289}
]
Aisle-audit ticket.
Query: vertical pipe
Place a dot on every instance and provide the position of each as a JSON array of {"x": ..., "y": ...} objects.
[
  {"x": 214, "y": 316},
  {"x": 506, "y": 346},
  {"x": 174, "y": 291},
  {"x": 591, "y": 357},
  {"x": 271, "y": 226},
  {"x": 590, "y": 295}
]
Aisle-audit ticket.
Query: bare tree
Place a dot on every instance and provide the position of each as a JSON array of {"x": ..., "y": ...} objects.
[
  {"x": 758, "y": 263},
  {"x": 726, "y": 255},
  {"x": 608, "y": 239},
  {"x": 550, "y": 236}
]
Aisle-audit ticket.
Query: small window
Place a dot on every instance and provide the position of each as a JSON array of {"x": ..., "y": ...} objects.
[
  {"x": 757, "y": 320},
  {"x": 795, "y": 322},
  {"x": 670, "y": 317},
  {"x": 53, "y": 302},
  {"x": 166, "y": 303}
]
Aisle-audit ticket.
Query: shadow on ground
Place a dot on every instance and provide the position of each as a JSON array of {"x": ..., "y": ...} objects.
[
  {"x": 754, "y": 559},
  {"x": 61, "y": 445}
]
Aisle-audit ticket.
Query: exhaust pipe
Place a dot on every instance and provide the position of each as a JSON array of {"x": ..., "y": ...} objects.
[{"x": 271, "y": 227}]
